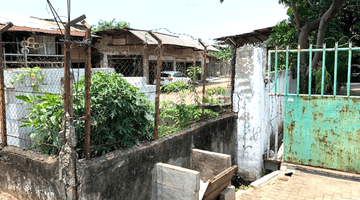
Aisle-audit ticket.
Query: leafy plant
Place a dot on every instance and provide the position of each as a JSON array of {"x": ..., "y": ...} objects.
[
  {"x": 175, "y": 87},
  {"x": 45, "y": 118},
  {"x": 119, "y": 113},
  {"x": 224, "y": 54},
  {"x": 181, "y": 116},
  {"x": 34, "y": 75},
  {"x": 216, "y": 91},
  {"x": 317, "y": 76},
  {"x": 192, "y": 73}
]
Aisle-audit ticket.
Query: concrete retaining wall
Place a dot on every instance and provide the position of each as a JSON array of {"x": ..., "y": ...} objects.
[
  {"x": 30, "y": 175},
  {"x": 127, "y": 174}
]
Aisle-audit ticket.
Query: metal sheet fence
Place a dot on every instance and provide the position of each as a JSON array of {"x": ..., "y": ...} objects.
[
  {"x": 332, "y": 78},
  {"x": 129, "y": 101}
]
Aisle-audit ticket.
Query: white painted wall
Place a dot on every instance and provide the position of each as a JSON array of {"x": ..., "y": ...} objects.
[
  {"x": 258, "y": 114},
  {"x": 249, "y": 103},
  {"x": 16, "y": 109}
]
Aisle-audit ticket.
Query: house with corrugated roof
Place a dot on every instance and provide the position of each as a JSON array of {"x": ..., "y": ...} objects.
[
  {"x": 31, "y": 38},
  {"x": 135, "y": 52}
]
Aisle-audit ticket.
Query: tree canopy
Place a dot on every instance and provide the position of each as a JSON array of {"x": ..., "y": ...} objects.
[
  {"x": 318, "y": 22},
  {"x": 105, "y": 25}
]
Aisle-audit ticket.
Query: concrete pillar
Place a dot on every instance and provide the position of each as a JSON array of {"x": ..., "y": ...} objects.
[
  {"x": 105, "y": 62},
  {"x": 146, "y": 67},
  {"x": 174, "y": 64},
  {"x": 249, "y": 103}
]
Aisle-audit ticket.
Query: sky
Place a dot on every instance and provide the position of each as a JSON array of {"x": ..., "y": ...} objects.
[{"x": 205, "y": 19}]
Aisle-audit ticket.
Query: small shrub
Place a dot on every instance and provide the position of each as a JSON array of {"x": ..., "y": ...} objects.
[
  {"x": 35, "y": 76},
  {"x": 181, "y": 116}
]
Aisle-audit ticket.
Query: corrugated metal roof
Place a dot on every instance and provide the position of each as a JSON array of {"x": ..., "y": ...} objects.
[
  {"x": 259, "y": 35},
  {"x": 30, "y": 24},
  {"x": 169, "y": 39}
]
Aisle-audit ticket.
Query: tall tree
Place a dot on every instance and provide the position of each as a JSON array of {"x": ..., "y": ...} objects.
[{"x": 318, "y": 19}]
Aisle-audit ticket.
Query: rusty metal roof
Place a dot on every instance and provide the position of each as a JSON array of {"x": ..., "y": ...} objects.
[
  {"x": 32, "y": 24},
  {"x": 166, "y": 39},
  {"x": 257, "y": 36}
]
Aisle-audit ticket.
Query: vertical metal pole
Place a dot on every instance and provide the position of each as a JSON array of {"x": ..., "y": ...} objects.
[
  {"x": 276, "y": 66},
  {"x": 268, "y": 88},
  {"x": 310, "y": 69},
  {"x": 276, "y": 125},
  {"x": 287, "y": 72},
  {"x": 233, "y": 63},
  {"x": 298, "y": 73},
  {"x": 67, "y": 77},
  {"x": 204, "y": 85},
  {"x": 157, "y": 97},
  {"x": 323, "y": 71},
  {"x": 2, "y": 99},
  {"x": 349, "y": 71},
  {"x": 87, "y": 95},
  {"x": 335, "y": 67}
]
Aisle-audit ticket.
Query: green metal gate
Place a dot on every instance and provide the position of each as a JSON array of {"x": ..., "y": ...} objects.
[{"x": 320, "y": 129}]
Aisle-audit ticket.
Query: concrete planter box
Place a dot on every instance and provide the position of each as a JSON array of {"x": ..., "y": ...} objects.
[{"x": 177, "y": 183}]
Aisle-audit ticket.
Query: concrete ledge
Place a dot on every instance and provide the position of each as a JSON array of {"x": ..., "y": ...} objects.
[
  {"x": 228, "y": 193},
  {"x": 209, "y": 164},
  {"x": 265, "y": 179}
]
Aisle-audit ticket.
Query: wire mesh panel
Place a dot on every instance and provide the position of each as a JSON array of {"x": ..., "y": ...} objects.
[{"x": 30, "y": 76}]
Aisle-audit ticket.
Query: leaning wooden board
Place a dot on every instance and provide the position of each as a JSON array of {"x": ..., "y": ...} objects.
[{"x": 219, "y": 183}]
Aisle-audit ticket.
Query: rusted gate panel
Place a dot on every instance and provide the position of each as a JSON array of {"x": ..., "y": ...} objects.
[{"x": 323, "y": 131}]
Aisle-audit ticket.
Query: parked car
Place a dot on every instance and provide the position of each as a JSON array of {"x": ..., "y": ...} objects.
[
  {"x": 355, "y": 73},
  {"x": 168, "y": 77}
]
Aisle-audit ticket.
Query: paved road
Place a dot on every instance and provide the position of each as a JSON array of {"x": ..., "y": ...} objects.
[{"x": 309, "y": 184}]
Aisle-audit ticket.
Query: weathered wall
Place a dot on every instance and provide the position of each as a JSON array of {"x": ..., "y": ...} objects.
[
  {"x": 323, "y": 131},
  {"x": 30, "y": 175},
  {"x": 173, "y": 183},
  {"x": 127, "y": 174},
  {"x": 249, "y": 103}
]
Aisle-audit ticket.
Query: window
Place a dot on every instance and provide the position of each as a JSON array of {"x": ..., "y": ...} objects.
[{"x": 165, "y": 75}]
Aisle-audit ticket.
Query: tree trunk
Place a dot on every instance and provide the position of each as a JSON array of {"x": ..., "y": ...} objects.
[{"x": 304, "y": 44}]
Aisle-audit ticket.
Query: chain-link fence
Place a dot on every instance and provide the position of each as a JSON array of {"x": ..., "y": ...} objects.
[
  {"x": 29, "y": 74},
  {"x": 123, "y": 96}
]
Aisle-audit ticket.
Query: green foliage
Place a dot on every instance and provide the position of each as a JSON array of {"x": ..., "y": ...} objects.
[
  {"x": 216, "y": 91},
  {"x": 340, "y": 29},
  {"x": 317, "y": 74},
  {"x": 176, "y": 87},
  {"x": 105, "y": 25},
  {"x": 45, "y": 117},
  {"x": 181, "y": 116},
  {"x": 224, "y": 54},
  {"x": 192, "y": 73},
  {"x": 119, "y": 112},
  {"x": 33, "y": 75}
]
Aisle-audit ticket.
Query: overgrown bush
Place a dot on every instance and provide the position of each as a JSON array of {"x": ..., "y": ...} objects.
[
  {"x": 119, "y": 112},
  {"x": 181, "y": 116},
  {"x": 175, "y": 87}
]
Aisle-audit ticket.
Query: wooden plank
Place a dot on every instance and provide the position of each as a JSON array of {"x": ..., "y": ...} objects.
[{"x": 219, "y": 183}]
